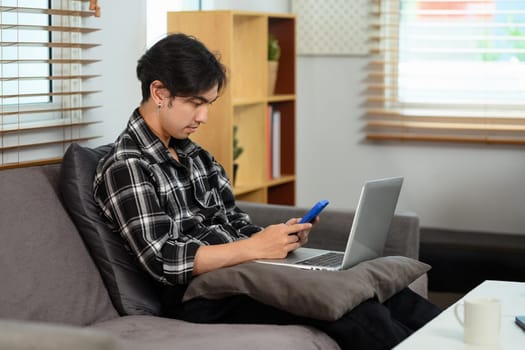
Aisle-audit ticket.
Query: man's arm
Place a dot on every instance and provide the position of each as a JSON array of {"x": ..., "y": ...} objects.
[
  {"x": 274, "y": 242},
  {"x": 128, "y": 198}
]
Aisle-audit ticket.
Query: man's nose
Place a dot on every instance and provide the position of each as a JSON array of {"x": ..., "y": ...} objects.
[{"x": 202, "y": 114}]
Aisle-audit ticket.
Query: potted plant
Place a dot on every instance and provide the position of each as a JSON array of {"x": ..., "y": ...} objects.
[
  {"x": 274, "y": 53},
  {"x": 237, "y": 151}
]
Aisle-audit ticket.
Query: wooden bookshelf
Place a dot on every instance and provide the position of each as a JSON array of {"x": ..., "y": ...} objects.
[{"x": 240, "y": 39}]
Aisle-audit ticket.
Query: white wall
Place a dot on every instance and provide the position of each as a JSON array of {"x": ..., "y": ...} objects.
[
  {"x": 156, "y": 11},
  {"x": 123, "y": 39},
  {"x": 452, "y": 186}
]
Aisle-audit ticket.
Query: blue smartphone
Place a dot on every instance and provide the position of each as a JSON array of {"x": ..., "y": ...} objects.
[
  {"x": 520, "y": 321},
  {"x": 312, "y": 213}
]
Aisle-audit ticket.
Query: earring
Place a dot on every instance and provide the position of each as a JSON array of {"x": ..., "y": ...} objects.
[{"x": 159, "y": 105}]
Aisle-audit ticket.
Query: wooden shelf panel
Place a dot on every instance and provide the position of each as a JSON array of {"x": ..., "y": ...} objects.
[
  {"x": 281, "y": 98},
  {"x": 250, "y": 120},
  {"x": 282, "y": 194},
  {"x": 240, "y": 190},
  {"x": 247, "y": 82},
  {"x": 282, "y": 180},
  {"x": 246, "y": 191},
  {"x": 259, "y": 195},
  {"x": 239, "y": 102}
]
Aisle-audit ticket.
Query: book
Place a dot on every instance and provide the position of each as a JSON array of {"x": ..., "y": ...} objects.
[
  {"x": 276, "y": 144},
  {"x": 269, "y": 143}
]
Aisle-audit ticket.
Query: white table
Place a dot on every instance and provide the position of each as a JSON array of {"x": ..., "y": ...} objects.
[{"x": 445, "y": 333}]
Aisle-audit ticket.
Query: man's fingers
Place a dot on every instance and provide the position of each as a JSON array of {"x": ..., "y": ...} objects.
[
  {"x": 299, "y": 227},
  {"x": 293, "y": 246},
  {"x": 303, "y": 235},
  {"x": 292, "y": 221},
  {"x": 293, "y": 238}
]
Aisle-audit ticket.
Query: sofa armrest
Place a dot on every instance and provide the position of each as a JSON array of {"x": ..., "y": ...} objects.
[
  {"x": 334, "y": 227},
  {"x": 23, "y": 335}
]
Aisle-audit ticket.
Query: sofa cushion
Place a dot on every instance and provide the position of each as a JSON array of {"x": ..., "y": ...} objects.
[
  {"x": 17, "y": 335},
  {"x": 45, "y": 268},
  {"x": 322, "y": 295},
  {"x": 132, "y": 291},
  {"x": 156, "y": 333}
]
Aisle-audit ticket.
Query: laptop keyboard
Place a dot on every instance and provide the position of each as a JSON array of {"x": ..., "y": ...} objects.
[{"x": 329, "y": 259}]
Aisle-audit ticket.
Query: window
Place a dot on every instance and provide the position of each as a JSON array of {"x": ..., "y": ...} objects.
[
  {"x": 448, "y": 71},
  {"x": 13, "y": 55},
  {"x": 41, "y": 84}
]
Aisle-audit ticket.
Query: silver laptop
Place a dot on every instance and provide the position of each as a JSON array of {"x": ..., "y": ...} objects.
[{"x": 368, "y": 234}]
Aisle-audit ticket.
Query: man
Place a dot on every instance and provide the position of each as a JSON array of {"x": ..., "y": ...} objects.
[{"x": 174, "y": 205}]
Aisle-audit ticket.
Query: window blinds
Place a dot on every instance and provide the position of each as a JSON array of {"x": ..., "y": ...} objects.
[
  {"x": 450, "y": 71},
  {"x": 42, "y": 84}
]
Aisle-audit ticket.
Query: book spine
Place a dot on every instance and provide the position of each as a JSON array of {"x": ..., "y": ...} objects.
[
  {"x": 269, "y": 142},
  {"x": 276, "y": 144}
]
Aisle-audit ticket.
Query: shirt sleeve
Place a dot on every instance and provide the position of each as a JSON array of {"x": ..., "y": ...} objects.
[{"x": 128, "y": 199}]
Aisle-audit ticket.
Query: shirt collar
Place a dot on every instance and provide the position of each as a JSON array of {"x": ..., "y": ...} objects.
[{"x": 151, "y": 144}]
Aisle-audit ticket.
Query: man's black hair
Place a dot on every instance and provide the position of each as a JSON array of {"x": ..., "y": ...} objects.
[{"x": 183, "y": 64}]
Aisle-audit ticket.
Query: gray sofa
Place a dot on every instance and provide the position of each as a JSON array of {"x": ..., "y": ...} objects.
[{"x": 52, "y": 295}]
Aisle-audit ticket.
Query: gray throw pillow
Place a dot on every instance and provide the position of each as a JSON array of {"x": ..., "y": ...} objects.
[
  {"x": 322, "y": 295},
  {"x": 130, "y": 288}
]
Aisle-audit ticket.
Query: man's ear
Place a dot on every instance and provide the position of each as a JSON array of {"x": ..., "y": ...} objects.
[{"x": 158, "y": 92}]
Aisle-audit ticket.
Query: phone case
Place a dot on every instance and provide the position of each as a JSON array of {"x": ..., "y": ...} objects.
[{"x": 312, "y": 213}]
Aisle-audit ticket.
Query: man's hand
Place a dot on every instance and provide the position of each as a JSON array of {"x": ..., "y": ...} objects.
[
  {"x": 303, "y": 235},
  {"x": 276, "y": 241}
]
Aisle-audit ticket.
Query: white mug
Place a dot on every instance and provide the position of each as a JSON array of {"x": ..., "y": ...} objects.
[{"x": 481, "y": 320}]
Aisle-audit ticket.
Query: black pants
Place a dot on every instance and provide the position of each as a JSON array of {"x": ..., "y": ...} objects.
[{"x": 371, "y": 325}]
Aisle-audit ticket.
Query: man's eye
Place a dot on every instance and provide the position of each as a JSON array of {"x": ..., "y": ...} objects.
[{"x": 197, "y": 103}]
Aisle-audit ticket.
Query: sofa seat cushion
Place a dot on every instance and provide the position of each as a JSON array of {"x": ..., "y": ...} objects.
[
  {"x": 322, "y": 295},
  {"x": 45, "y": 269},
  {"x": 156, "y": 333},
  {"x": 132, "y": 291},
  {"x": 18, "y": 335}
]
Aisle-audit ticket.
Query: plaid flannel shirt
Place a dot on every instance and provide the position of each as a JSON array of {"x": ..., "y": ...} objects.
[{"x": 165, "y": 209}]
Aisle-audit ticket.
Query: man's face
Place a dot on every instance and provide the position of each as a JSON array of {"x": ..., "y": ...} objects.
[{"x": 181, "y": 116}]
